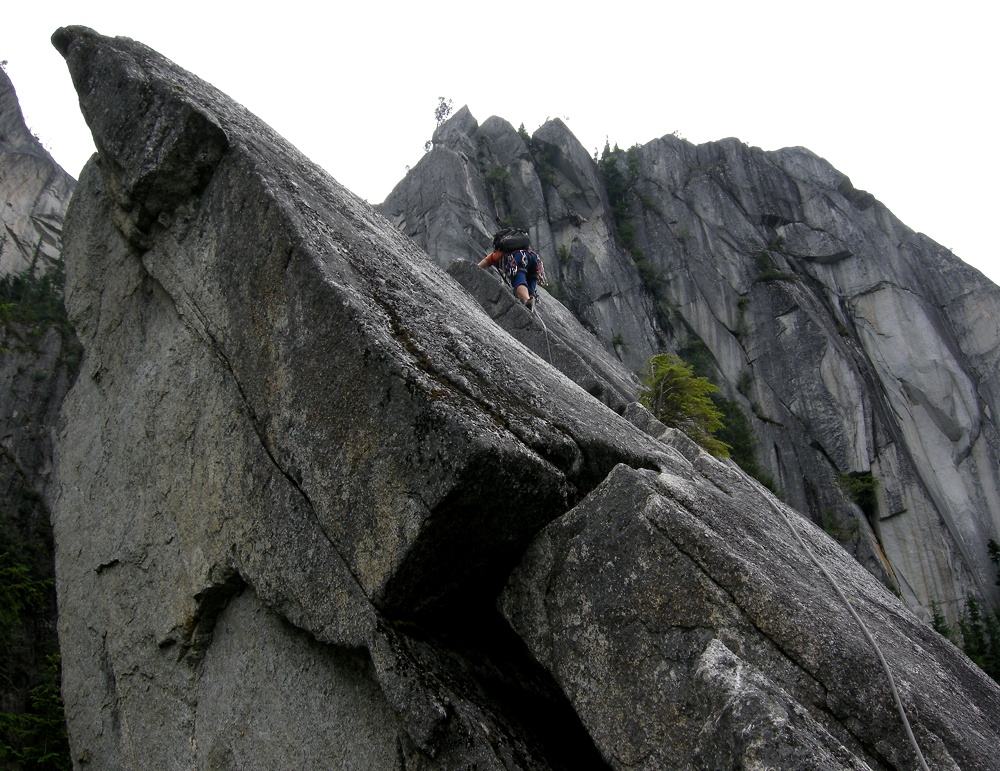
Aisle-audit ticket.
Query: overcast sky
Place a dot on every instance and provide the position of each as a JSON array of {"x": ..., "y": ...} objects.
[{"x": 900, "y": 96}]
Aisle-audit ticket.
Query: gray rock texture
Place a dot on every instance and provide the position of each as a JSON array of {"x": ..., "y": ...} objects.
[
  {"x": 478, "y": 177},
  {"x": 34, "y": 190},
  {"x": 554, "y": 334},
  {"x": 691, "y": 630},
  {"x": 278, "y": 391},
  {"x": 300, "y": 463},
  {"x": 856, "y": 349}
]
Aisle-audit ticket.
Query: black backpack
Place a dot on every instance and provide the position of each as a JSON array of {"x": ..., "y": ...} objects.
[
  {"x": 516, "y": 248},
  {"x": 511, "y": 240}
]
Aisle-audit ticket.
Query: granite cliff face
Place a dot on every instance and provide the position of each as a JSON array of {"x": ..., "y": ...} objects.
[
  {"x": 859, "y": 351},
  {"x": 313, "y": 507},
  {"x": 34, "y": 190},
  {"x": 38, "y": 360}
]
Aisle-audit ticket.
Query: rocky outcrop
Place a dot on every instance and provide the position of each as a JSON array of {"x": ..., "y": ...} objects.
[
  {"x": 476, "y": 178},
  {"x": 554, "y": 334},
  {"x": 862, "y": 354},
  {"x": 691, "y": 628},
  {"x": 301, "y": 463},
  {"x": 279, "y": 392},
  {"x": 34, "y": 191}
]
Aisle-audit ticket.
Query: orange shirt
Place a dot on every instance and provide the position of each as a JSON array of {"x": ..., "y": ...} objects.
[{"x": 493, "y": 259}]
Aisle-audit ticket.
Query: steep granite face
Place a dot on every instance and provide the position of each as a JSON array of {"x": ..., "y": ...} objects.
[
  {"x": 34, "y": 190},
  {"x": 864, "y": 356},
  {"x": 478, "y": 178},
  {"x": 279, "y": 392},
  {"x": 300, "y": 464},
  {"x": 691, "y": 628}
]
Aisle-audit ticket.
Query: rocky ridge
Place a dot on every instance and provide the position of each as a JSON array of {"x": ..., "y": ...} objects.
[
  {"x": 863, "y": 356},
  {"x": 312, "y": 505}
]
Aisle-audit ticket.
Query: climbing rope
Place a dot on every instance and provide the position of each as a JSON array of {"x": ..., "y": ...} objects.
[
  {"x": 534, "y": 312},
  {"x": 868, "y": 635}
]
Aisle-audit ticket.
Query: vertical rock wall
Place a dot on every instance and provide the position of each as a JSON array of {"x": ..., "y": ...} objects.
[
  {"x": 864, "y": 356},
  {"x": 34, "y": 191}
]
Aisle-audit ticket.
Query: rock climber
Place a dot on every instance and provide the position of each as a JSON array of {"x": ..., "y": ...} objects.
[{"x": 520, "y": 263}]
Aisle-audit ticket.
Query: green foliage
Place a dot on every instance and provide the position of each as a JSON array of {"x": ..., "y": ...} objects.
[
  {"x": 36, "y": 738},
  {"x": 981, "y": 638},
  {"x": 679, "y": 398},
  {"x": 443, "y": 110},
  {"x": 20, "y": 594},
  {"x": 496, "y": 183},
  {"x": 649, "y": 204},
  {"x": 736, "y": 432},
  {"x": 33, "y": 736},
  {"x": 523, "y": 133},
  {"x": 33, "y": 297},
  {"x": 939, "y": 622},
  {"x": 32, "y": 726},
  {"x": 767, "y": 270},
  {"x": 739, "y": 436},
  {"x": 698, "y": 356},
  {"x": 993, "y": 549},
  {"x": 843, "y": 532},
  {"x": 497, "y": 175},
  {"x": 546, "y": 158},
  {"x": 976, "y": 633},
  {"x": 620, "y": 172},
  {"x": 862, "y": 489}
]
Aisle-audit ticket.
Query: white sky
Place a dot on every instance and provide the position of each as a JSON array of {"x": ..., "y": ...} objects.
[{"x": 900, "y": 96}]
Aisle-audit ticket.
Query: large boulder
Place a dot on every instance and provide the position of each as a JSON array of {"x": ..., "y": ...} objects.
[
  {"x": 280, "y": 395},
  {"x": 697, "y": 623}
]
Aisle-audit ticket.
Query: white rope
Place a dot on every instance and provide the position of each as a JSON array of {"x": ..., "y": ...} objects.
[
  {"x": 868, "y": 636},
  {"x": 545, "y": 329}
]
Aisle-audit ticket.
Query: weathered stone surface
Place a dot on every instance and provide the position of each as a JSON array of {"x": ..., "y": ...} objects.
[
  {"x": 300, "y": 462},
  {"x": 852, "y": 345},
  {"x": 279, "y": 391},
  {"x": 554, "y": 334},
  {"x": 689, "y": 629},
  {"x": 34, "y": 191},
  {"x": 454, "y": 199}
]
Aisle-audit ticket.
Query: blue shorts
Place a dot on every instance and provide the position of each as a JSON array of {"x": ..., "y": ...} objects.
[{"x": 521, "y": 279}]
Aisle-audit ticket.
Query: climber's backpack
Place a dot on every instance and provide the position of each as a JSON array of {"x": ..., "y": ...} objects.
[
  {"x": 511, "y": 240},
  {"x": 518, "y": 256}
]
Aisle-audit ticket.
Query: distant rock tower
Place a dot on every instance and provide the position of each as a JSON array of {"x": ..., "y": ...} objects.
[{"x": 34, "y": 192}]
